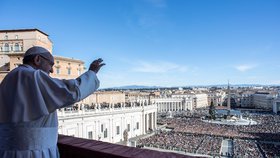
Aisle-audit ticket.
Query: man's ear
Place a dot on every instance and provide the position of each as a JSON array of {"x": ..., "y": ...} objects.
[{"x": 37, "y": 60}]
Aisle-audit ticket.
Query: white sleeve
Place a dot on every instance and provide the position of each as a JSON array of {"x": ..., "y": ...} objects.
[{"x": 61, "y": 93}]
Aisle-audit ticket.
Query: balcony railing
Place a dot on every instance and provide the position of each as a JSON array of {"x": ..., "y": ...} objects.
[
  {"x": 72, "y": 147},
  {"x": 108, "y": 110}
]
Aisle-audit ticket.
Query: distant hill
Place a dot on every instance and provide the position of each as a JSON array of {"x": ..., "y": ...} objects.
[
  {"x": 134, "y": 87},
  {"x": 175, "y": 87}
]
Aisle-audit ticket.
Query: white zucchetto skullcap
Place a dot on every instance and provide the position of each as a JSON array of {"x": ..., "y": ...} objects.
[{"x": 36, "y": 50}]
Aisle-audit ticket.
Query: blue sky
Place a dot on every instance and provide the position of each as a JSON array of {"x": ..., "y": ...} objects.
[{"x": 160, "y": 42}]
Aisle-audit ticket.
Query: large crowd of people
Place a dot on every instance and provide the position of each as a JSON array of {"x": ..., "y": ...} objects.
[
  {"x": 210, "y": 145},
  {"x": 268, "y": 127},
  {"x": 246, "y": 148},
  {"x": 191, "y": 134},
  {"x": 188, "y": 143},
  {"x": 271, "y": 150},
  {"x": 173, "y": 140}
]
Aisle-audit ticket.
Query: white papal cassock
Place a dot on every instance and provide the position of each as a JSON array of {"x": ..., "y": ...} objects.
[{"x": 28, "y": 102}]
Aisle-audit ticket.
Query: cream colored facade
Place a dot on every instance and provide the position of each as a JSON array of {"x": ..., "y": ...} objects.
[
  {"x": 110, "y": 97},
  {"x": 14, "y": 43},
  {"x": 67, "y": 68},
  {"x": 132, "y": 96},
  {"x": 18, "y": 41},
  {"x": 216, "y": 97},
  {"x": 173, "y": 104},
  {"x": 198, "y": 100}
]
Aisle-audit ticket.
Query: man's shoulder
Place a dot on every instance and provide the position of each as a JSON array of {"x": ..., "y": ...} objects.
[
  {"x": 24, "y": 74},
  {"x": 22, "y": 69}
]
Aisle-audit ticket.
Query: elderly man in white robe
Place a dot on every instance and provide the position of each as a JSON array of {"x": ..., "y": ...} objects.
[{"x": 29, "y": 98}]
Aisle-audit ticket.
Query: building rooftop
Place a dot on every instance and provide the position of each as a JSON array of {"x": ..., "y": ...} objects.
[{"x": 24, "y": 30}]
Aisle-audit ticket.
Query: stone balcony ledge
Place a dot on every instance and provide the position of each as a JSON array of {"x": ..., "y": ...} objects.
[{"x": 72, "y": 147}]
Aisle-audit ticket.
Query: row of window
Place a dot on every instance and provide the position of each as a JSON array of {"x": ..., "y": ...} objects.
[
  {"x": 16, "y": 37},
  {"x": 6, "y": 37},
  {"x": 105, "y": 131},
  {"x": 117, "y": 129},
  {"x": 16, "y": 47},
  {"x": 68, "y": 71}
]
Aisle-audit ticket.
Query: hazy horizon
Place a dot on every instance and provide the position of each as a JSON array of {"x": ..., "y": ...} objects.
[{"x": 182, "y": 86}]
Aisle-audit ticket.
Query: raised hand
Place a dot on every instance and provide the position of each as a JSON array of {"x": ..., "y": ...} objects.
[{"x": 96, "y": 65}]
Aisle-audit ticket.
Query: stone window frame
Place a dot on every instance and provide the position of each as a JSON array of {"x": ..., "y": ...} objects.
[
  {"x": 16, "y": 48},
  {"x": 6, "y": 47}
]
